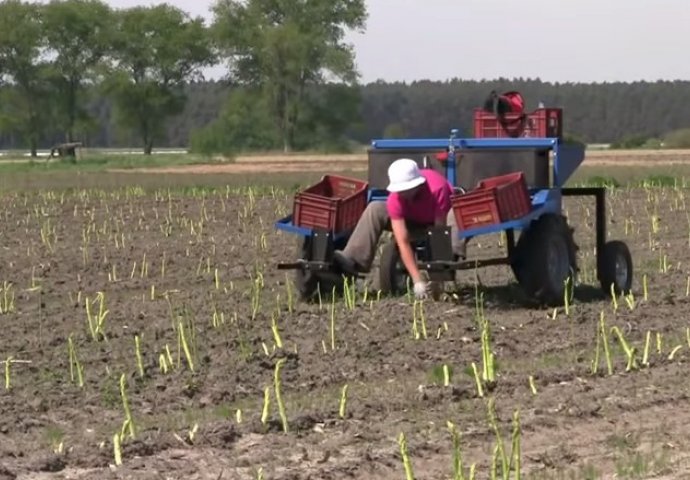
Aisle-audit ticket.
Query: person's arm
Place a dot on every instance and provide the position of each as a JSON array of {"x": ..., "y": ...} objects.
[{"x": 402, "y": 238}]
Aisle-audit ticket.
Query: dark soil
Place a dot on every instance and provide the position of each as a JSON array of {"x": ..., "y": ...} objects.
[{"x": 154, "y": 256}]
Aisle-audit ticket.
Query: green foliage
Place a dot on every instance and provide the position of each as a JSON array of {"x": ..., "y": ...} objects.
[
  {"x": 246, "y": 122},
  {"x": 653, "y": 144},
  {"x": 575, "y": 140},
  {"x": 329, "y": 111},
  {"x": 147, "y": 78},
  {"x": 23, "y": 105},
  {"x": 436, "y": 375},
  {"x": 660, "y": 180},
  {"x": 596, "y": 113},
  {"x": 630, "y": 142},
  {"x": 283, "y": 46},
  {"x": 98, "y": 161},
  {"x": 77, "y": 32},
  {"x": 678, "y": 139},
  {"x": 601, "y": 181},
  {"x": 243, "y": 124},
  {"x": 394, "y": 130}
]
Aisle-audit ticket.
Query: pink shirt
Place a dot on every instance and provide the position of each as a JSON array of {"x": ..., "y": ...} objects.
[{"x": 432, "y": 201}]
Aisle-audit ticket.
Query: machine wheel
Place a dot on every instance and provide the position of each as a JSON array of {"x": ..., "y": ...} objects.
[
  {"x": 307, "y": 284},
  {"x": 310, "y": 284},
  {"x": 616, "y": 268},
  {"x": 393, "y": 276},
  {"x": 544, "y": 258}
]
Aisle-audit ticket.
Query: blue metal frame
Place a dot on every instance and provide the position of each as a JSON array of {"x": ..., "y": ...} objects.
[
  {"x": 285, "y": 224},
  {"x": 566, "y": 159}
]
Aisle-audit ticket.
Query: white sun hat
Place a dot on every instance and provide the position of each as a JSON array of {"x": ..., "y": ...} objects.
[{"x": 403, "y": 174}]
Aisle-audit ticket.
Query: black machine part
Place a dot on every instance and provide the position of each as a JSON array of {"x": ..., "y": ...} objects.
[
  {"x": 599, "y": 194},
  {"x": 614, "y": 262},
  {"x": 473, "y": 165},
  {"x": 545, "y": 260},
  {"x": 437, "y": 257},
  {"x": 434, "y": 254},
  {"x": 315, "y": 253},
  {"x": 393, "y": 276},
  {"x": 616, "y": 268},
  {"x": 381, "y": 159},
  {"x": 315, "y": 271}
]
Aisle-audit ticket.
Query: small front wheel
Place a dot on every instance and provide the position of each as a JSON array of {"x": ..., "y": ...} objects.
[
  {"x": 310, "y": 285},
  {"x": 393, "y": 276},
  {"x": 616, "y": 268}
]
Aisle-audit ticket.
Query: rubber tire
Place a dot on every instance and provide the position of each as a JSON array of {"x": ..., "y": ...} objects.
[
  {"x": 530, "y": 265},
  {"x": 391, "y": 281},
  {"x": 613, "y": 251},
  {"x": 309, "y": 284}
]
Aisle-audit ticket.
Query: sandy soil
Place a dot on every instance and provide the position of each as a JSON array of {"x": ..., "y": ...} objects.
[{"x": 358, "y": 162}]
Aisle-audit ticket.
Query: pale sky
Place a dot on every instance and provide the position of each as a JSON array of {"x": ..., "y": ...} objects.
[{"x": 555, "y": 40}]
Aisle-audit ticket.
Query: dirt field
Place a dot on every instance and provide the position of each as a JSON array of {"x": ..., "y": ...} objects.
[{"x": 154, "y": 256}]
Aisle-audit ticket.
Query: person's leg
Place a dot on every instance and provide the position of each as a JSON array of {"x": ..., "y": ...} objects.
[
  {"x": 361, "y": 247},
  {"x": 459, "y": 245}
]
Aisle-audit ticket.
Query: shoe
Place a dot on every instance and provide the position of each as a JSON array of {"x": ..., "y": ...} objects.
[
  {"x": 347, "y": 264},
  {"x": 460, "y": 252}
]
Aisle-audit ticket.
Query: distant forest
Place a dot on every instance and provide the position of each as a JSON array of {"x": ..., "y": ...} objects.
[{"x": 593, "y": 113}]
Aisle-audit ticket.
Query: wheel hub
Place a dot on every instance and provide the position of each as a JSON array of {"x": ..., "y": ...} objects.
[
  {"x": 401, "y": 276},
  {"x": 558, "y": 261},
  {"x": 621, "y": 271}
]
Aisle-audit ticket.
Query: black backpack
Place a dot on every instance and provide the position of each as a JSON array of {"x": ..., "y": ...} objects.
[{"x": 508, "y": 102}]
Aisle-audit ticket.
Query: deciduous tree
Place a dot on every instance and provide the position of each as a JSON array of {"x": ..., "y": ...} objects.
[
  {"x": 24, "y": 70},
  {"x": 77, "y": 33},
  {"x": 283, "y": 46},
  {"x": 155, "y": 51}
]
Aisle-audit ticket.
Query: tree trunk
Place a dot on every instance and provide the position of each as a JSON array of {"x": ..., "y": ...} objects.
[
  {"x": 285, "y": 131},
  {"x": 284, "y": 119},
  {"x": 71, "y": 109},
  {"x": 286, "y": 141},
  {"x": 148, "y": 142}
]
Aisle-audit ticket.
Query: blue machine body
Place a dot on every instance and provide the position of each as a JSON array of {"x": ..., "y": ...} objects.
[{"x": 566, "y": 159}]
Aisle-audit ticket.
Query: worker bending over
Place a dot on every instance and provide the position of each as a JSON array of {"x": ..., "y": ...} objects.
[{"x": 418, "y": 199}]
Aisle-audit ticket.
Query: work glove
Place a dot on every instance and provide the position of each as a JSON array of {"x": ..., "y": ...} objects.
[{"x": 421, "y": 290}]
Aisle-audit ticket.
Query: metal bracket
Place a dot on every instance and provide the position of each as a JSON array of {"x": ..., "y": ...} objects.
[
  {"x": 306, "y": 265},
  {"x": 439, "y": 254},
  {"x": 439, "y": 243},
  {"x": 599, "y": 194},
  {"x": 318, "y": 253},
  {"x": 321, "y": 246}
]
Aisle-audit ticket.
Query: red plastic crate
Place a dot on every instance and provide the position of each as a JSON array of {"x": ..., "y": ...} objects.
[
  {"x": 543, "y": 122},
  {"x": 495, "y": 200},
  {"x": 335, "y": 203}
]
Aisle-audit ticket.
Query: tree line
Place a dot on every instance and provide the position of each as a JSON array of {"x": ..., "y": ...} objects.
[
  {"x": 67, "y": 65},
  {"x": 79, "y": 70}
]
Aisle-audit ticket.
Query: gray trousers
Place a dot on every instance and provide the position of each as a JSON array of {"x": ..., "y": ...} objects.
[{"x": 364, "y": 240}]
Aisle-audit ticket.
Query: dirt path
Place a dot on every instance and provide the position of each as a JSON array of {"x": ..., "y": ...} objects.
[{"x": 358, "y": 162}]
